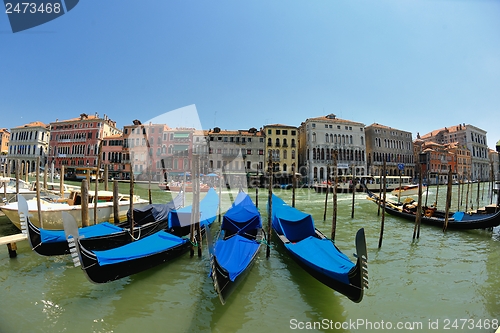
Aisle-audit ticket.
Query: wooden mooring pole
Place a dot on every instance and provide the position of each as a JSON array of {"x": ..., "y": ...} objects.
[
  {"x": 353, "y": 196},
  {"x": 61, "y": 182},
  {"x": 270, "y": 204},
  {"x": 326, "y": 196},
  {"x": 131, "y": 194},
  {"x": 85, "y": 203},
  {"x": 294, "y": 184},
  {"x": 418, "y": 217},
  {"x": 116, "y": 207},
  {"x": 382, "y": 223},
  {"x": 106, "y": 176},
  {"x": 448, "y": 200},
  {"x": 335, "y": 186},
  {"x": 38, "y": 202}
]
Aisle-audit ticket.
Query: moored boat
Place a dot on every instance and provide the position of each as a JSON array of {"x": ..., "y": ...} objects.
[
  {"x": 407, "y": 190},
  {"x": 51, "y": 210},
  {"x": 317, "y": 254},
  {"x": 487, "y": 217},
  {"x": 102, "y": 236},
  {"x": 237, "y": 246},
  {"x": 137, "y": 256}
]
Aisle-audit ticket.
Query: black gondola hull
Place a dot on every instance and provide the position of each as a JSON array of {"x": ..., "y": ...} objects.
[
  {"x": 483, "y": 221},
  {"x": 107, "y": 273}
]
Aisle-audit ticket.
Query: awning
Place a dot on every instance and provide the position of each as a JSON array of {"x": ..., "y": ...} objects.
[
  {"x": 181, "y": 147},
  {"x": 181, "y": 135}
]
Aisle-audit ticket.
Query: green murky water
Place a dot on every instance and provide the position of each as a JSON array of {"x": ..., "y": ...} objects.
[{"x": 443, "y": 280}]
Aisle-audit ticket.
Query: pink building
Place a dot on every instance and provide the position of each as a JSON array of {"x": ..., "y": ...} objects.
[{"x": 75, "y": 142}]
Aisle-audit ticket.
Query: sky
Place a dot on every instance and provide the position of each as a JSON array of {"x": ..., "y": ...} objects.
[{"x": 415, "y": 66}]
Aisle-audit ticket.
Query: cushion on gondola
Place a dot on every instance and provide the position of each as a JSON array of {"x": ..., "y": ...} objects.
[
  {"x": 235, "y": 254},
  {"x": 55, "y": 236},
  {"x": 156, "y": 243},
  {"x": 321, "y": 254}
]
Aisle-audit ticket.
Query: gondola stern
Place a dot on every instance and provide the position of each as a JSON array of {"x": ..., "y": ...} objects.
[
  {"x": 361, "y": 277},
  {"x": 23, "y": 211},
  {"x": 72, "y": 236}
]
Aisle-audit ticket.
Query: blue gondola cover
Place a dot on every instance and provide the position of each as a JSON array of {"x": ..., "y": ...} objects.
[
  {"x": 322, "y": 255},
  {"x": 293, "y": 223},
  {"x": 158, "y": 242},
  {"x": 242, "y": 216},
  {"x": 101, "y": 229},
  {"x": 235, "y": 253},
  {"x": 208, "y": 210}
]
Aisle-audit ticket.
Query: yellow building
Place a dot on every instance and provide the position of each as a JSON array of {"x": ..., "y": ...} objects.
[{"x": 281, "y": 146}]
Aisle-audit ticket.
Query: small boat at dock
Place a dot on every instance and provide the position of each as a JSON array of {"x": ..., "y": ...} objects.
[
  {"x": 487, "y": 217},
  {"x": 407, "y": 190},
  {"x": 51, "y": 210}
]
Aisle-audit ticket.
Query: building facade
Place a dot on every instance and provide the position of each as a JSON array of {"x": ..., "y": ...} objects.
[
  {"x": 281, "y": 144},
  {"x": 391, "y": 145},
  {"x": 112, "y": 152},
  {"x": 236, "y": 154},
  {"x": 27, "y": 143},
  {"x": 4, "y": 148},
  {"x": 471, "y": 137},
  {"x": 74, "y": 142},
  {"x": 322, "y": 137}
]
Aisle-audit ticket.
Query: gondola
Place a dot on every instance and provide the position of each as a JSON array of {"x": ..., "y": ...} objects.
[
  {"x": 102, "y": 236},
  {"x": 137, "y": 256},
  {"x": 317, "y": 254},
  {"x": 488, "y": 217},
  {"x": 237, "y": 245}
]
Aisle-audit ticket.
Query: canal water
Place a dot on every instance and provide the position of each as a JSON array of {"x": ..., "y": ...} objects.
[{"x": 441, "y": 282}]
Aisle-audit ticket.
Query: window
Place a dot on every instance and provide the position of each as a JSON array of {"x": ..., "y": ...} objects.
[{"x": 278, "y": 132}]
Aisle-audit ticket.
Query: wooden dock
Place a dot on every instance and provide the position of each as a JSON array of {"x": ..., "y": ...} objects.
[{"x": 11, "y": 243}]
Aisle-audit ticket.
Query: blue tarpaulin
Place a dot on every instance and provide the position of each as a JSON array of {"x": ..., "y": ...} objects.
[
  {"x": 235, "y": 253},
  {"x": 458, "y": 216},
  {"x": 208, "y": 212},
  {"x": 321, "y": 254},
  {"x": 242, "y": 216},
  {"x": 291, "y": 222},
  {"x": 55, "y": 236},
  {"x": 158, "y": 242}
]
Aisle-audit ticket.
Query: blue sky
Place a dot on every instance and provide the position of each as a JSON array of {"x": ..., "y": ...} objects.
[{"x": 412, "y": 65}]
